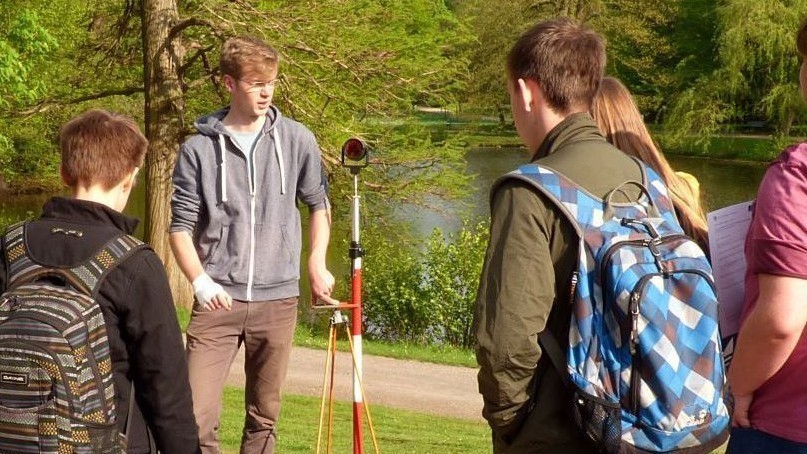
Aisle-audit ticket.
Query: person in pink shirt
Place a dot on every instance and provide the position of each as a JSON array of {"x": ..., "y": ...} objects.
[{"x": 768, "y": 375}]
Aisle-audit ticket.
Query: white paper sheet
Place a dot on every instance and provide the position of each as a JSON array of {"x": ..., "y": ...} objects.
[{"x": 727, "y": 230}]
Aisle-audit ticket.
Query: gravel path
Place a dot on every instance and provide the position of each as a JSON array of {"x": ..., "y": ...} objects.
[{"x": 422, "y": 387}]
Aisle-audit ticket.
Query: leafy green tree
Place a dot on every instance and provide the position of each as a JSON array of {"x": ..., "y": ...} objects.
[
  {"x": 23, "y": 43},
  {"x": 757, "y": 74},
  {"x": 692, "y": 34},
  {"x": 494, "y": 34},
  {"x": 640, "y": 50},
  {"x": 637, "y": 31}
]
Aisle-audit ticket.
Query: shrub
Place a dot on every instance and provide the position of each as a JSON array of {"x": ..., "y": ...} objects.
[
  {"x": 423, "y": 293},
  {"x": 451, "y": 279}
]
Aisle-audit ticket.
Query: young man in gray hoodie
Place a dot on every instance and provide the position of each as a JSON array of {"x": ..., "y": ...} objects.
[{"x": 236, "y": 234}]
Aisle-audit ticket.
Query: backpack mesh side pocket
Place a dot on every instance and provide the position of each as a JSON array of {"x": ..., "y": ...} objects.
[{"x": 599, "y": 419}]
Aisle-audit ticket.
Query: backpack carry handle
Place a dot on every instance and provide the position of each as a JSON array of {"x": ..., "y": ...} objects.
[{"x": 608, "y": 213}]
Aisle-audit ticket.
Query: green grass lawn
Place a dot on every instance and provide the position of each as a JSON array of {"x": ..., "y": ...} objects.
[
  {"x": 397, "y": 431},
  {"x": 739, "y": 147}
]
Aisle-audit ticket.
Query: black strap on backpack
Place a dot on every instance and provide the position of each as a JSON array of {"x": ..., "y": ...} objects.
[
  {"x": 550, "y": 346},
  {"x": 129, "y": 413},
  {"x": 128, "y": 430}
]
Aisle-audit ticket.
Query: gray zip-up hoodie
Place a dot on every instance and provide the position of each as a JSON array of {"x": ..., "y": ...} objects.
[{"x": 241, "y": 210}]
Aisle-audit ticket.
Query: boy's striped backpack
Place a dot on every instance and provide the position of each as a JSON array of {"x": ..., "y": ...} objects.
[
  {"x": 644, "y": 356},
  {"x": 56, "y": 388}
]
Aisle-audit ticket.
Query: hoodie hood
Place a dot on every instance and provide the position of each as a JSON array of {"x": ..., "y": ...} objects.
[{"x": 211, "y": 125}]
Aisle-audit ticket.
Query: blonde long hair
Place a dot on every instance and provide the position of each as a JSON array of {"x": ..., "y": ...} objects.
[{"x": 620, "y": 121}]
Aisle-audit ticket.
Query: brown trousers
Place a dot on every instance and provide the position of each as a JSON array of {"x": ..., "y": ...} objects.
[{"x": 266, "y": 329}]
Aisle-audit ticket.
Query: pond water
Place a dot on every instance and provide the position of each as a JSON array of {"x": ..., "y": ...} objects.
[{"x": 722, "y": 183}]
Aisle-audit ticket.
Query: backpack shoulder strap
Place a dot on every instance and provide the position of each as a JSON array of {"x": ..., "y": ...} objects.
[
  {"x": 566, "y": 195},
  {"x": 553, "y": 184},
  {"x": 580, "y": 206},
  {"x": 557, "y": 355},
  {"x": 92, "y": 272},
  {"x": 85, "y": 276},
  {"x": 18, "y": 260}
]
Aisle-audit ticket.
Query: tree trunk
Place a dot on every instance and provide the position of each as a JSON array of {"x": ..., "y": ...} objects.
[{"x": 164, "y": 111}]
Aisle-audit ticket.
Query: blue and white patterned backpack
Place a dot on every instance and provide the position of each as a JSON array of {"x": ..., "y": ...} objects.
[{"x": 644, "y": 355}]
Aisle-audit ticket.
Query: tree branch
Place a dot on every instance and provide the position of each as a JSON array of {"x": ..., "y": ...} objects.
[
  {"x": 200, "y": 53},
  {"x": 44, "y": 106},
  {"x": 187, "y": 23}
]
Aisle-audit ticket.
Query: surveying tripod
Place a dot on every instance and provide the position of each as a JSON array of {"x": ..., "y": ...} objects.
[
  {"x": 336, "y": 322},
  {"x": 355, "y": 157}
]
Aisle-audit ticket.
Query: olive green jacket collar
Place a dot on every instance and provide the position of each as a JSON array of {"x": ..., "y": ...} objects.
[{"x": 574, "y": 128}]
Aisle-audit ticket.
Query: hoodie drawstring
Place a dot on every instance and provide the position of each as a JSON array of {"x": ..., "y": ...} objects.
[
  {"x": 223, "y": 168},
  {"x": 223, "y": 165},
  {"x": 279, "y": 154}
]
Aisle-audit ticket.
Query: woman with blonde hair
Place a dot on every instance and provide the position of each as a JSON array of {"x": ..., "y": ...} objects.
[{"x": 620, "y": 121}]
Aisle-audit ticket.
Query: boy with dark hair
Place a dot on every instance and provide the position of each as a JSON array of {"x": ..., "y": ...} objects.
[
  {"x": 102, "y": 153},
  {"x": 554, "y": 71},
  {"x": 236, "y": 235},
  {"x": 769, "y": 367}
]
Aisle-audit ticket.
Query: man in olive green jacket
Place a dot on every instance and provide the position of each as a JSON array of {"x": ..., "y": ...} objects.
[{"x": 554, "y": 71}]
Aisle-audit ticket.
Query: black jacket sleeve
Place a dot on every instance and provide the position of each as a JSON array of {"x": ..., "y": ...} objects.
[{"x": 157, "y": 358}]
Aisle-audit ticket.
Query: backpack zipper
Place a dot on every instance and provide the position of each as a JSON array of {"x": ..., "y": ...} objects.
[
  {"x": 635, "y": 376},
  {"x": 634, "y": 304}
]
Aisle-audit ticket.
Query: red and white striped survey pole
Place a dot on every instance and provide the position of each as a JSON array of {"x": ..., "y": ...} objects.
[
  {"x": 355, "y": 157},
  {"x": 356, "y": 253}
]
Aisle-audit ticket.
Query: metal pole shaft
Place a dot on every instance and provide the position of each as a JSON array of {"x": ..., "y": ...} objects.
[{"x": 358, "y": 404}]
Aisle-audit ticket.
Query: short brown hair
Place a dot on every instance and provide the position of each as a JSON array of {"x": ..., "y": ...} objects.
[
  {"x": 566, "y": 58},
  {"x": 801, "y": 38},
  {"x": 100, "y": 147},
  {"x": 243, "y": 52}
]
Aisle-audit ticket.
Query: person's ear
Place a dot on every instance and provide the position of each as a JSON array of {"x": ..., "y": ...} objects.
[
  {"x": 525, "y": 93},
  {"x": 229, "y": 82},
  {"x": 130, "y": 181}
]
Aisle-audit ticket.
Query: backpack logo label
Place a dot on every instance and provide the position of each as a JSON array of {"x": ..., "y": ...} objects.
[
  {"x": 699, "y": 418},
  {"x": 13, "y": 378}
]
